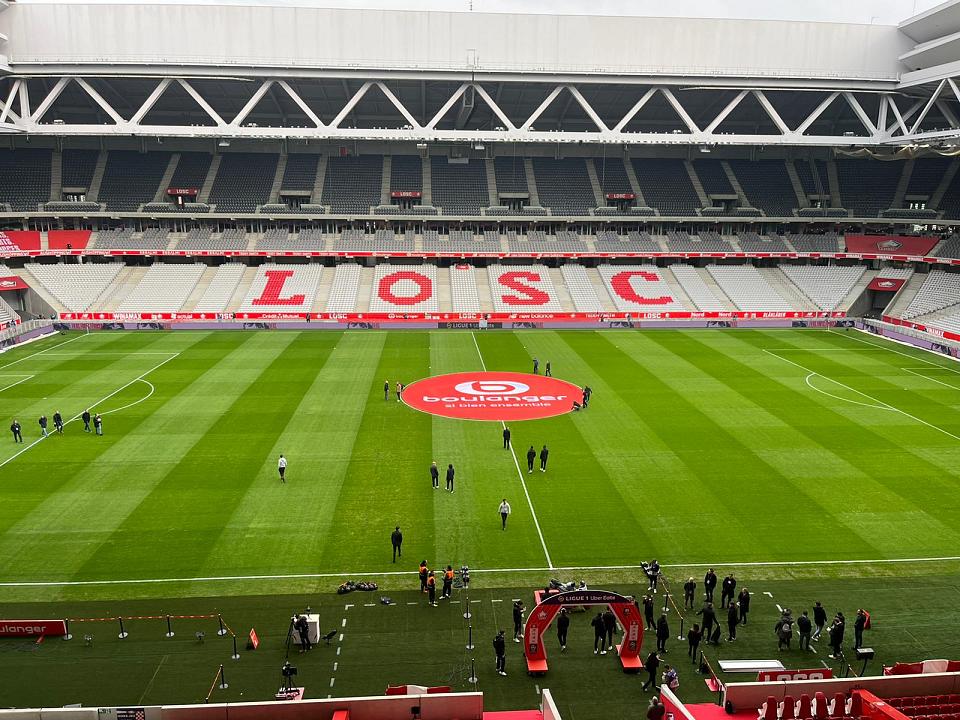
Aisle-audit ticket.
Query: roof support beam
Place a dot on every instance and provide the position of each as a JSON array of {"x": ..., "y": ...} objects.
[
  {"x": 151, "y": 100},
  {"x": 98, "y": 99},
  {"x": 201, "y": 102},
  {"x": 543, "y": 106},
  {"x": 351, "y": 104},
  {"x": 771, "y": 111},
  {"x": 817, "y": 112},
  {"x": 681, "y": 111},
  {"x": 446, "y": 107},
  {"x": 45, "y": 104},
  {"x": 7, "y": 107},
  {"x": 398, "y": 105},
  {"x": 722, "y": 115},
  {"x": 587, "y": 108},
  {"x": 251, "y": 103},
  {"x": 307, "y": 110}
]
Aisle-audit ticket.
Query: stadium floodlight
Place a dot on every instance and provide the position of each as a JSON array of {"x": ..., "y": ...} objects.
[
  {"x": 479, "y": 146},
  {"x": 705, "y": 149},
  {"x": 223, "y": 142},
  {"x": 421, "y": 146}
]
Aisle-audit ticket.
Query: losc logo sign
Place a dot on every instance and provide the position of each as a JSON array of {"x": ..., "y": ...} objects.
[{"x": 492, "y": 396}]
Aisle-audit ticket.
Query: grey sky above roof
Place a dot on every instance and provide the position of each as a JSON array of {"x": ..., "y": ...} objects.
[{"x": 880, "y": 12}]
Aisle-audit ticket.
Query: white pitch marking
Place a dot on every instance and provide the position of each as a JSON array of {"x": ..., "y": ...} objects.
[
  {"x": 369, "y": 604},
  {"x": 411, "y": 603},
  {"x": 898, "y": 352},
  {"x": 880, "y": 404},
  {"x": 80, "y": 353},
  {"x": 41, "y": 352},
  {"x": 338, "y": 650},
  {"x": 344, "y": 623},
  {"x": 474, "y": 602},
  {"x": 103, "y": 399},
  {"x": 779, "y": 609},
  {"x": 537, "y": 688},
  {"x": 331, "y": 681},
  {"x": 335, "y": 665},
  {"x": 516, "y": 463},
  {"x": 135, "y": 402},
  {"x": 925, "y": 377},
  {"x": 768, "y": 594},
  {"x": 341, "y": 638},
  {"x": 493, "y": 601},
  {"x": 347, "y": 607},
  {"x": 824, "y": 662},
  {"x": 25, "y": 378}
]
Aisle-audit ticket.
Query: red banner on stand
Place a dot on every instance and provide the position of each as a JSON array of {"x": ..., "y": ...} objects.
[
  {"x": 32, "y": 628},
  {"x": 68, "y": 239},
  {"x": 890, "y": 244},
  {"x": 13, "y": 241},
  {"x": 886, "y": 284},
  {"x": 12, "y": 282}
]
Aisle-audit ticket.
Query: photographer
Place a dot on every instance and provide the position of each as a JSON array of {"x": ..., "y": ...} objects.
[{"x": 303, "y": 629}]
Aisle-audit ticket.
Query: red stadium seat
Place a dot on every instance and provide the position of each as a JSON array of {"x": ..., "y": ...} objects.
[
  {"x": 820, "y": 706},
  {"x": 788, "y": 710},
  {"x": 839, "y": 708},
  {"x": 803, "y": 710},
  {"x": 768, "y": 711}
]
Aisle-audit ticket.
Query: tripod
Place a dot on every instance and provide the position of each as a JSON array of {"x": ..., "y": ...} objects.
[{"x": 290, "y": 631}]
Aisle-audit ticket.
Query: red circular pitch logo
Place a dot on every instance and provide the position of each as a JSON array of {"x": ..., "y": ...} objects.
[{"x": 497, "y": 396}]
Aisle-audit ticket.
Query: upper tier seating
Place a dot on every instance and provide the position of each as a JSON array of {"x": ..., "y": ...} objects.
[
  {"x": 939, "y": 290},
  {"x": 346, "y": 286},
  {"x": 300, "y": 174},
  {"x": 78, "y": 167},
  {"x": 223, "y": 285},
  {"x": 949, "y": 248},
  {"x": 814, "y": 180},
  {"x": 522, "y": 288},
  {"x": 404, "y": 288},
  {"x": 191, "y": 171},
  {"x": 639, "y": 288},
  {"x": 712, "y": 177},
  {"x": 24, "y": 178},
  {"x": 635, "y": 242},
  {"x": 124, "y": 239},
  {"x": 382, "y": 241},
  {"x": 201, "y": 240},
  {"x": 564, "y": 185},
  {"x": 352, "y": 184},
  {"x": 243, "y": 181},
  {"x": 464, "y": 296},
  {"x": 950, "y": 204},
  {"x": 460, "y": 188},
  {"x": 511, "y": 175},
  {"x": 612, "y": 175},
  {"x": 581, "y": 288},
  {"x": 766, "y": 185},
  {"x": 666, "y": 186},
  {"x": 808, "y": 243},
  {"x": 131, "y": 178},
  {"x": 461, "y": 241},
  {"x": 164, "y": 288},
  {"x": 747, "y": 288},
  {"x": 867, "y": 187},
  {"x": 279, "y": 240},
  {"x": 752, "y": 242},
  {"x": 76, "y": 287},
  {"x": 282, "y": 289},
  {"x": 926, "y": 176},
  {"x": 696, "y": 289},
  {"x": 706, "y": 242},
  {"x": 826, "y": 286},
  {"x": 538, "y": 241},
  {"x": 406, "y": 173}
]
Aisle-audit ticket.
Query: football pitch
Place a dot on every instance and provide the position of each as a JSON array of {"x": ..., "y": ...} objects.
[{"x": 793, "y": 455}]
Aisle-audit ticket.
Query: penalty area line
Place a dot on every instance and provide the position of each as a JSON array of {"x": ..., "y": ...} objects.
[
  {"x": 489, "y": 571},
  {"x": 516, "y": 464}
]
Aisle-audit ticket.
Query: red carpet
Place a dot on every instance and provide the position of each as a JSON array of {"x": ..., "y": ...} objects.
[
  {"x": 712, "y": 711},
  {"x": 513, "y": 715}
]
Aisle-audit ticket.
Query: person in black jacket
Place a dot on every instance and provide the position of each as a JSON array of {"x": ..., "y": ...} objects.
[
  {"x": 506, "y": 438},
  {"x": 563, "y": 623},
  {"x": 396, "y": 539},
  {"x": 663, "y": 633},
  {"x": 435, "y": 475},
  {"x": 500, "y": 649},
  {"x": 733, "y": 619},
  {"x": 598, "y": 635},
  {"x": 386, "y": 389},
  {"x": 804, "y": 626},
  {"x": 651, "y": 665},
  {"x": 450, "y": 473},
  {"x": 547, "y": 372},
  {"x": 531, "y": 458},
  {"x": 648, "y": 612},
  {"x": 694, "y": 636},
  {"x": 518, "y": 611},
  {"x": 836, "y": 632},
  {"x": 86, "y": 420},
  {"x": 709, "y": 618},
  {"x": 743, "y": 600},
  {"x": 43, "y": 425},
  {"x": 544, "y": 454},
  {"x": 819, "y": 619},
  {"x": 58, "y": 422},
  {"x": 727, "y": 590},
  {"x": 859, "y": 623},
  {"x": 653, "y": 575},
  {"x": 689, "y": 589},
  {"x": 709, "y": 584},
  {"x": 16, "y": 430},
  {"x": 609, "y": 627}
]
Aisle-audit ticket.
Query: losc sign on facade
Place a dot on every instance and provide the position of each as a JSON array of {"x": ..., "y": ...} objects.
[{"x": 494, "y": 396}]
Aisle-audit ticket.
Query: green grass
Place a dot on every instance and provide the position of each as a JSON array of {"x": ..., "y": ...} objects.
[{"x": 718, "y": 447}]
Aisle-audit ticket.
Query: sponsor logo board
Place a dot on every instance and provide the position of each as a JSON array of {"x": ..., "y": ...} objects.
[
  {"x": 492, "y": 396},
  {"x": 32, "y": 628}
]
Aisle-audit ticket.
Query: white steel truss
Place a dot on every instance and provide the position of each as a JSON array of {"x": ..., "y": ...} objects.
[{"x": 899, "y": 121}]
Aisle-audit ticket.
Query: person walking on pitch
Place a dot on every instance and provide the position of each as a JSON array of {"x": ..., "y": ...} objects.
[
  {"x": 43, "y": 425},
  {"x": 450, "y": 473},
  {"x": 98, "y": 424},
  {"x": 546, "y": 370},
  {"x": 282, "y": 468},
  {"x": 399, "y": 391},
  {"x": 506, "y": 438},
  {"x": 58, "y": 422},
  {"x": 431, "y": 589},
  {"x": 609, "y": 626},
  {"x": 563, "y": 624},
  {"x": 500, "y": 650},
  {"x": 15, "y": 429},
  {"x": 599, "y": 633},
  {"x": 435, "y": 475},
  {"x": 531, "y": 458},
  {"x": 86, "y": 420},
  {"x": 544, "y": 454},
  {"x": 504, "y": 511},
  {"x": 518, "y": 611},
  {"x": 536, "y": 366},
  {"x": 396, "y": 539},
  {"x": 423, "y": 573},
  {"x": 386, "y": 389}
]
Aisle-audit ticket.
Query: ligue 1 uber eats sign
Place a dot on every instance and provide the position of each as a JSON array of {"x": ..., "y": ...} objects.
[{"x": 498, "y": 396}]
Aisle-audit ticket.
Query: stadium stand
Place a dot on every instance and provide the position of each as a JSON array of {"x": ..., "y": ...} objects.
[
  {"x": 464, "y": 296},
  {"x": 401, "y": 288},
  {"x": 537, "y": 241},
  {"x": 825, "y": 286},
  {"x": 461, "y": 241},
  {"x": 747, "y": 288},
  {"x": 282, "y": 289},
  {"x": 352, "y": 183},
  {"x": 926, "y": 176},
  {"x": 243, "y": 181},
  {"x": 164, "y": 288},
  {"x": 522, "y": 288},
  {"x": 810, "y": 243},
  {"x": 76, "y": 287},
  {"x": 72, "y": 206},
  {"x": 78, "y": 167},
  {"x": 752, "y": 242},
  {"x": 950, "y": 204},
  {"x": 939, "y": 290},
  {"x": 24, "y": 178},
  {"x": 867, "y": 187},
  {"x": 345, "y": 288},
  {"x": 666, "y": 186},
  {"x": 581, "y": 288},
  {"x": 949, "y": 248},
  {"x": 564, "y": 185},
  {"x": 406, "y": 173},
  {"x": 126, "y": 239},
  {"x": 202, "y": 240},
  {"x": 612, "y": 175},
  {"x": 705, "y": 242},
  {"x": 131, "y": 178},
  {"x": 192, "y": 169},
  {"x": 459, "y": 188},
  {"x": 510, "y": 174},
  {"x": 300, "y": 173},
  {"x": 279, "y": 240},
  {"x": 766, "y": 185},
  {"x": 627, "y": 284},
  {"x": 223, "y": 285},
  {"x": 696, "y": 289},
  {"x": 381, "y": 241},
  {"x": 712, "y": 177},
  {"x": 813, "y": 176},
  {"x": 637, "y": 242}
]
